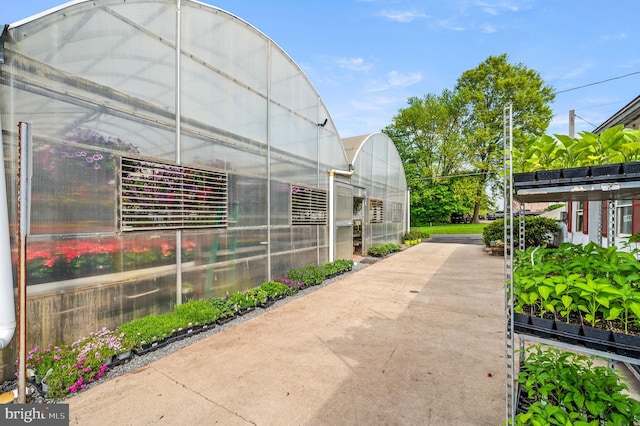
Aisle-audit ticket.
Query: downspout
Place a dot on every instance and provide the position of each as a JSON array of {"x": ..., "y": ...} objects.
[
  {"x": 332, "y": 218},
  {"x": 408, "y": 211}
]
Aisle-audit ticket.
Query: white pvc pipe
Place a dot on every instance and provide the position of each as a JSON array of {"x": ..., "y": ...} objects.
[{"x": 7, "y": 301}]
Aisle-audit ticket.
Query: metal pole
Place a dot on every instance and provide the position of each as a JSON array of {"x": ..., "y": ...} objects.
[
  {"x": 24, "y": 184},
  {"x": 178, "y": 147}
]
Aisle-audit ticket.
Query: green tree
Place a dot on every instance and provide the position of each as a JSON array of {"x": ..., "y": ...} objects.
[
  {"x": 485, "y": 90},
  {"x": 428, "y": 136}
]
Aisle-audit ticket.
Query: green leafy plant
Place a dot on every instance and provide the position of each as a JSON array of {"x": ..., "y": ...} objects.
[
  {"x": 275, "y": 289},
  {"x": 596, "y": 293},
  {"x": 198, "y": 312},
  {"x": 603, "y": 148},
  {"x": 525, "y": 159},
  {"x": 383, "y": 250},
  {"x": 614, "y": 145},
  {"x": 152, "y": 328},
  {"x": 581, "y": 392},
  {"x": 223, "y": 305},
  {"x": 545, "y": 151},
  {"x": 571, "y": 151},
  {"x": 629, "y": 148},
  {"x": 378, "y": 251},
  {"x": 309, "y": 274},
  {"x": 344, "y": 265},
  {"x": 241, "y": 300},
  {"x": 259, "y": 295},
  {"x": 625, "y": 302}
]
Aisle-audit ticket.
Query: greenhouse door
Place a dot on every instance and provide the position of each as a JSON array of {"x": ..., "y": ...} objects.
[{"x": 343, "y": 248}]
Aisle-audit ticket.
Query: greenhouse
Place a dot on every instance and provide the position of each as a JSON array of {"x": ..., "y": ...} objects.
[{"x": 176, "y": 153}]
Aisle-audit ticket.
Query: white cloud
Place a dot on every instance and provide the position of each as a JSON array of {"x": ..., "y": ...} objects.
[
  {"x": 448, "y": 25},
  {"x": 615, "y": 37},
  {"x": 354, "y": 64},
  {"x": 402, "y": 16},
  {"x": 395, "y": 80},
  {"x": 630, "y": 64},
  {"x": 488, "y": 28},
  {"x": 575, "y": 72},
  {"x": 494, "y": 7}
]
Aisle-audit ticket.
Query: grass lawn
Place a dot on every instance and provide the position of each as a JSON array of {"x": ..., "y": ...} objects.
[{"x": 448, "y": 228}]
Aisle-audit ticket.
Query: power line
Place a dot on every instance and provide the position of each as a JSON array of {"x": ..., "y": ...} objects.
[
  {"x": 597, "y": 82},
  {"x": 577, "y": 116},
  {"x": 458, "y": 175}
]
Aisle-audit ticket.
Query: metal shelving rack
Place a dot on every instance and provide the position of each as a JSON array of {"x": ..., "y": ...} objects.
[
  {"x": 599, "y": 191},
  {"x": 508, "y": 265}
]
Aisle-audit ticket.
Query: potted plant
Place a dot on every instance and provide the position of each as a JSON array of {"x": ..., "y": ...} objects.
[
  {"x": 525, "y": 162},
  {"x": 408, "y": 238},
  {"x": 241, "y": 302},
  {"x": 571, "y": 156},
  {"x": 603, "y": 149},
  {"x": 567, "y": 388},
  {"x": 275, "y": 289},
  {"x": 226, "y": 308},
  {"x": 260, "y": 297},
  {"x": 630, "y": 151},
  {"x": 546, "y": 149}
]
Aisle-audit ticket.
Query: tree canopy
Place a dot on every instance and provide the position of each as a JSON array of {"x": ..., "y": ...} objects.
[{"x": 451, "y": 143}]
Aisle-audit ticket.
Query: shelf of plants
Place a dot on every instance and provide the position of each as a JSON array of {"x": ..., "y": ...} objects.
[{"x": 582, "y": 298}]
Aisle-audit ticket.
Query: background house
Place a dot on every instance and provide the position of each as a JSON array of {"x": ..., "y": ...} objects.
[{"x": 587, "y": 220}]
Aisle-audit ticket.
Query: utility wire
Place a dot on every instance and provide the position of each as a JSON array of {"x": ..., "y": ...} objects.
[
  {"x": 458, "y": 175},
  {"x": 577, "y": 116},
  {"x": 597, "y": 82}
]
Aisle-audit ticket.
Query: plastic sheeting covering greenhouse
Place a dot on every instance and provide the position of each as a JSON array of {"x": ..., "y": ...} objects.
[{"x": 177, "y": 153}]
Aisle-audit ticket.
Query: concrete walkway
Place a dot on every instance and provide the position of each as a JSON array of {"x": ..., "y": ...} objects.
[{"x": 415, "y": 339}]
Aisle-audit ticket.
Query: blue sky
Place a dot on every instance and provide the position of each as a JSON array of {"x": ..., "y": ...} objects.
[{"x": 367, "y": 57}]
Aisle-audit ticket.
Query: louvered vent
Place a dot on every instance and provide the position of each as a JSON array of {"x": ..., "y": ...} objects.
[
  {"x": 308, "y": 206},
  {"x": 164, "y": 196},
  {"x": 376, "y": 211}
]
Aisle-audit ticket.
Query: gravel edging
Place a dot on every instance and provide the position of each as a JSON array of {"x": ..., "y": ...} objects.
[{"x": 137, "y": 362}]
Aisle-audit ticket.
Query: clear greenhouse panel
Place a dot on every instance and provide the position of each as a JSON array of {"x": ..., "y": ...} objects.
[{"x": 99, "y": 83}]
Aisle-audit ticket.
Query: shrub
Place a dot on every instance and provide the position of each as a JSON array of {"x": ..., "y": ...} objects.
[{"x": 538, "y": 231}]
